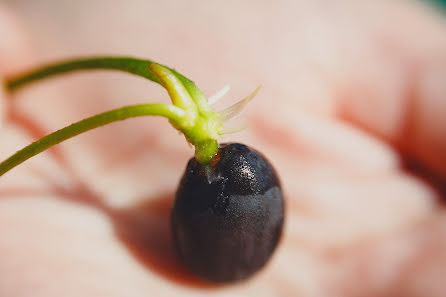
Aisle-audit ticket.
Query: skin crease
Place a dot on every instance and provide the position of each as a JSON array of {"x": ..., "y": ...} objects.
[{"x": 351, "y": 114}]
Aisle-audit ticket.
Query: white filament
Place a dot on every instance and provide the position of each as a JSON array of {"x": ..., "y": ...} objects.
[
  {"x": 214, "y": 98},
  {"x": 235, "y": 109}
]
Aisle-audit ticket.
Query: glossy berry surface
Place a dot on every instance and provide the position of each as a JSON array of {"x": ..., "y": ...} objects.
[{"x": 228, "y": 215}]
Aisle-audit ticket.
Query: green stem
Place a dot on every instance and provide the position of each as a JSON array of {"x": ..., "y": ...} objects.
[
  {"x": 171, "y": 112},
  {"x": 135, "y": 66},
  {"x": 196, "y": 94},
  {"x": 198, "y": 123},
  {"x": 178, "y": 94}
]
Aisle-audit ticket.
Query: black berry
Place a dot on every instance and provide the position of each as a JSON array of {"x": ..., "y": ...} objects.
[{"x": 228, "y": 215}]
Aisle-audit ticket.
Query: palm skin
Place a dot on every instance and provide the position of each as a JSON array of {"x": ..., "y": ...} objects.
[{"x": 343, "y": 127}]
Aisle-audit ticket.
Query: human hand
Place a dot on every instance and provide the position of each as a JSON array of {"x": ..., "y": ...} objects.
[{"x": 91, "y": 217}]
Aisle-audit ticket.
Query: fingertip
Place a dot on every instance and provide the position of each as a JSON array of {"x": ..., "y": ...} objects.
[
  {"x": 427, "y": 141},
  {"x": 14, "y": 46},
  {"x": 398, "y": 94},
  {"x": 14, "y": 51}
]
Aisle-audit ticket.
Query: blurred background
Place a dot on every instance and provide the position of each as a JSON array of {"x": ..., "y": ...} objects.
[{"x": 351, "y": 113}]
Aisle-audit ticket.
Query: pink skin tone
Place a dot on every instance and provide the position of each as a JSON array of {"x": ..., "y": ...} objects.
[{"x": 352, "y": 114}]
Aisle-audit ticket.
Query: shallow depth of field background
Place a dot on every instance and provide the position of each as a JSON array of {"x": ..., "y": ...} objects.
[{"x": 365, "y": 190}]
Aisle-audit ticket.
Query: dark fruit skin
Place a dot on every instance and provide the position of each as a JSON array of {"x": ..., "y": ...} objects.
[{"x": 228, "y": 216}]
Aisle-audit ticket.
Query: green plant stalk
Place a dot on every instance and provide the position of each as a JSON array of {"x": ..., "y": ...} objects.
[
  {"x": 169, "y": 111},
  {"x": 131, "y": 65},
  {"x": 139, "y": 67},
  {"x": 178, "y": 93},
  {"x": 190, "y": 112}
]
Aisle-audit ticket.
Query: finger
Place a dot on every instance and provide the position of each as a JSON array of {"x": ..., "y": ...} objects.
[
  {"x": 343, "y": 187},
  {"x": 408, "y": 262},
  {"x": 13, "y": 50},
  {"x": 399, "y": 93},
  {"x": 339, "y": 178},
  {"x": 13, "y": 44}
]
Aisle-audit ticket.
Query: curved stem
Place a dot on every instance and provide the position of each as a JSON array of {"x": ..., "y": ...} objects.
[
  {"x": 200, "y": 100},
  {"x": 199, "y": 124},
  {"x": 135, "y": 66},
  {"x": 178, "y": 94},
  {"x": 171, "y": 112}
]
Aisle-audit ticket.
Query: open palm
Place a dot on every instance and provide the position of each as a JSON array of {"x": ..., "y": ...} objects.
[{"x": 355, "y": 132}]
